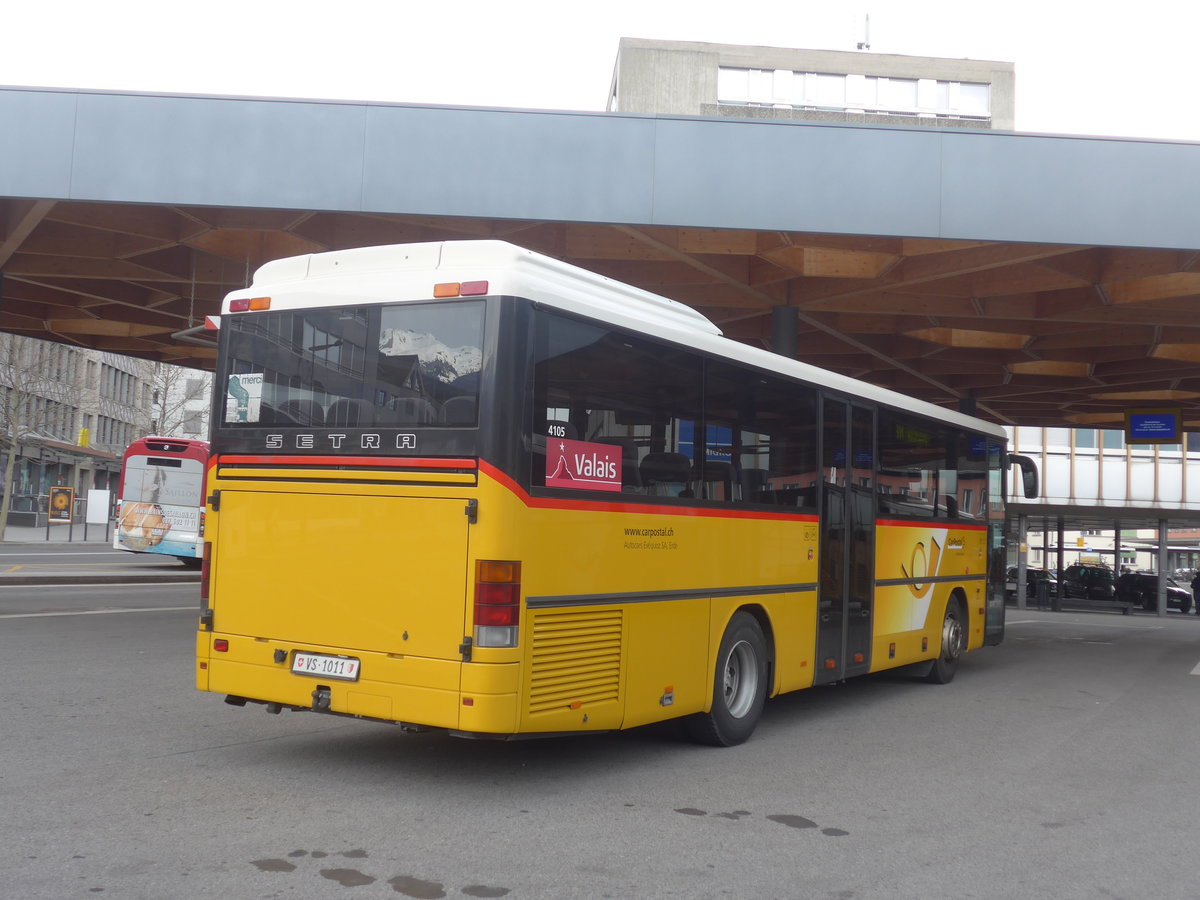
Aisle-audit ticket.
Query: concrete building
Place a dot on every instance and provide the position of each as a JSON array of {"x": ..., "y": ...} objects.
[
  {"x": 1095, "y": 478},
  {"x": 726, "y": 80},
  {"x": 71, "y": 411}
]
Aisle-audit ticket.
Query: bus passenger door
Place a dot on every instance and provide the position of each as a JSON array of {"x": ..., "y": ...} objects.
[
  {"x": 845, "y": 585},
  {"x": 860, "y": 600}
]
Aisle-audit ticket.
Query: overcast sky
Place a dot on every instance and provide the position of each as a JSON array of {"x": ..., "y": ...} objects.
[{"x": 1082, "y": 68}]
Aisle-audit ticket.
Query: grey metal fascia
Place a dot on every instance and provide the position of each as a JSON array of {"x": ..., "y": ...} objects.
[{"x": 598, "y": 167}]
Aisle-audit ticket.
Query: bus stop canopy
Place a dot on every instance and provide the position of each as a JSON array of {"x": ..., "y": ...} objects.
[{"x": 1032, "y": 279}]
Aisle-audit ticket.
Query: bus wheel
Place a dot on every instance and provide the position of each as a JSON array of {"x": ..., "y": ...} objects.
[
  {"x": 953, "y": 635},
  {"x": 739, "y": 688}
]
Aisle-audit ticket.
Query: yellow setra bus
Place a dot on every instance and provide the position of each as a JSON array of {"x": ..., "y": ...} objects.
[{"x": 464, "y": 486}]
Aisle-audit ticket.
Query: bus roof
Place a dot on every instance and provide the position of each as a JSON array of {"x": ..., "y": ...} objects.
[{"x": 401, "y": 272}]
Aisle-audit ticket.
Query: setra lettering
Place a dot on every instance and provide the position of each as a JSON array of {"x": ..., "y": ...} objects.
[{"x": 338, "y": 441}]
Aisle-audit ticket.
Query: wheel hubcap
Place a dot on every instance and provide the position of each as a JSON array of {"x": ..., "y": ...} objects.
[
  {"x": 951, "y": 637},
  {"x": 740, "y": 679}
]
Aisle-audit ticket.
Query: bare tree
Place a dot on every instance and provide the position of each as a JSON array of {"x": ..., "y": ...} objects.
[
  {"x": 179, "y": 404},
  {"x": 35, "y": 404}
]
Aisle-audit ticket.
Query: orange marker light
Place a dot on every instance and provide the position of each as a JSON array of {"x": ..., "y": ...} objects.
[{"x": 447, "y": 289}]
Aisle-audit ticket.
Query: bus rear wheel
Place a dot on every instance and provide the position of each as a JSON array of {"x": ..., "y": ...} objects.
[
  {"x": 953, "y": 636},
  {"x": 739, "y": 686}
]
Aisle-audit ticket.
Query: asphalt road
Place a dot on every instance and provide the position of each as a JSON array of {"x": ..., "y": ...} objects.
[
  {"x": 1061, "y": 764},
  {"x": 91, "y": 563}
]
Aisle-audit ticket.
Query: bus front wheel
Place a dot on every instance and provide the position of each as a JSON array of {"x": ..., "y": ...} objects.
[
  {"x": 953, "y": 637},
  {"x": 739, "y": 686}
]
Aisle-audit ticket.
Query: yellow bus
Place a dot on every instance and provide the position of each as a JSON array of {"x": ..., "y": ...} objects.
[{"x": 464, "y": 486}]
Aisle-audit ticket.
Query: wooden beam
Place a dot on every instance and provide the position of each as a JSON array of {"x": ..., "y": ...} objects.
[
  {"x": 107, "y": 327},
  {"x": 1051, "y": 368},
  {"x": 828, "y": 263},
  {"x": 961, "y": 337},
  {"x": 717, "y": 241},
  {"x": 253, "y": 247},
  {"x": 1154, "y": 287},
  {"x": 22, "y": 217},
  {"x": 159, "y": 222}
]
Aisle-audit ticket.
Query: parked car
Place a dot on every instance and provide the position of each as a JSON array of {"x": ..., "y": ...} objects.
[
  {"x": 1033, "y": 577},
  {"x": 1141, "y": 588},
  {"x": 1089, "y": 582}
]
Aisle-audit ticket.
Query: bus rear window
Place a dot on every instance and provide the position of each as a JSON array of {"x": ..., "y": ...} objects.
[{"x": 411, "y": 364}]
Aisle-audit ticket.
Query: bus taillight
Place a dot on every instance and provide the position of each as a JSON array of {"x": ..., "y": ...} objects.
[{"x": 497, "y": 603}]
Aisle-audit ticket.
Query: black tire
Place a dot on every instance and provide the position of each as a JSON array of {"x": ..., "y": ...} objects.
[
  {"x": 739, "y": 686},
  {"x": 954, "y": 636},
  {"x": 190, "y": 562}
]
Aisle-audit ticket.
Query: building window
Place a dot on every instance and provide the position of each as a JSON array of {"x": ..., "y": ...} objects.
[{"x": 867, "y": 94}]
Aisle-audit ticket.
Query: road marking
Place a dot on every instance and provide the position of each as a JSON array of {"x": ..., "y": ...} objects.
[
  {"x": 92, "y": 585},
  {"x": 68, "y": 553},
  {"x": 1117, "y": 623},
  {"x": 1195, "y": 671},
  {"x": 93, "y": 612},
  {"x": 109, "y": 564},
  {"x": 14, "y": 568}
]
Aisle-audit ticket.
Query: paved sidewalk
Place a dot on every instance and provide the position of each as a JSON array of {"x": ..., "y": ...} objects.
[
  {"x": 71, "y": 556},
  {"x": 58, "y": 534}
]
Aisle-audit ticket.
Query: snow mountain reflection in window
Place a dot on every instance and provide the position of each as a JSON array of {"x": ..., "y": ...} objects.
[{"x": 402, "y": 365}]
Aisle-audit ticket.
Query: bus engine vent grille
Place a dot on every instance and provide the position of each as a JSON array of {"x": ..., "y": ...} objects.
[{"x": 576, "y": 659}]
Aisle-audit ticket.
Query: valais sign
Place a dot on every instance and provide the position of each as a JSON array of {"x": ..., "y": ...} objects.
[{"x": 582, "y": 465}]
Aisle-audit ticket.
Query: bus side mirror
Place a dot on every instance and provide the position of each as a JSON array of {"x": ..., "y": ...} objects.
[{"x": 1029, "y": 475}]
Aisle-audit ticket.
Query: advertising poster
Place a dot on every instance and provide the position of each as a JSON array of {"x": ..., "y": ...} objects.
[{"x": 62, "y": 501}]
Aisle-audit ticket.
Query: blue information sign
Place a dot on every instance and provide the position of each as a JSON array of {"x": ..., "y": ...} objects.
[{"x": 1153, "y": 426}]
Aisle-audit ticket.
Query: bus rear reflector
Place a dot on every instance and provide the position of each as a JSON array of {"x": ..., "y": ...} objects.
[
  {"x": 497, "y": 603},
  {"x": 204, "y": 567}
]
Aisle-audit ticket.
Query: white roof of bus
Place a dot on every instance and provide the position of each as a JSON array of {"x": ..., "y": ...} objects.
[{"x": 401, "y": 272}]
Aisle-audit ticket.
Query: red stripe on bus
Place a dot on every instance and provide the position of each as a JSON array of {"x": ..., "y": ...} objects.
[
  {"x": 947, "y": 524},
  {"x": 388, "y": 462},
  {"x": 609, "y": 506}
]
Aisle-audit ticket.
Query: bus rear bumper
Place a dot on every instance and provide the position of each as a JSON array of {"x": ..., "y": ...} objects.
[{"x": 433, "y": 693}]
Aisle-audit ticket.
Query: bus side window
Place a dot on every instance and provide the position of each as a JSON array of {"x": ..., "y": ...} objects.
[
  {"x": 667, "y": 474},
  {"x": 631, "y": 475},
  {"x": 754, "y": 486},
  {"x": 460, "y": 410},
  {"x": 716, "y": 481}
]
